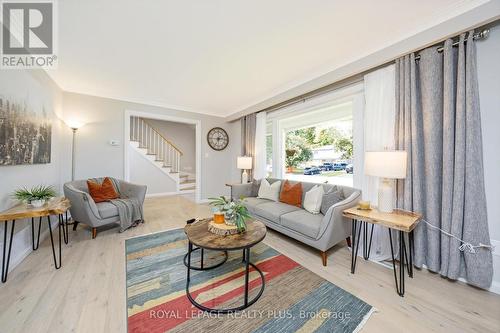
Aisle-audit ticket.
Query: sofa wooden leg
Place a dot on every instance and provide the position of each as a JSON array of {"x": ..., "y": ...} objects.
[
  {"x": 348, "y": 240},
  {"x": 75, "y": 224},
  {"x": 323, "y": 257},
  {"x": 94, "y": 233}
]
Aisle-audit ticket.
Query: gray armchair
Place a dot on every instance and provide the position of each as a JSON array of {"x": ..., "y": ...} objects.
[{"x": 85, "y": 210}]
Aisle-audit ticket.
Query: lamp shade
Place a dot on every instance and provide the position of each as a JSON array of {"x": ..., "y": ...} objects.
[
  {"x": 386, "y": 164},
  {"x": 244, "y": 162},
  {"x": 74, "y": 124}
]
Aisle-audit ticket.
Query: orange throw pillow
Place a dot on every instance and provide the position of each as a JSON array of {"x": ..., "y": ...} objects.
[
  {"x": 102, "y": 192},
  {"x": 291, "y": 194}
]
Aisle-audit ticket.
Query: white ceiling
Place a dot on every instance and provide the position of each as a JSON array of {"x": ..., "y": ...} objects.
[{"x": 221, "y": 56}]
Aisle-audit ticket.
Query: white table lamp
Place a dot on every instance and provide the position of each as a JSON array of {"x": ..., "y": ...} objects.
[
  {"x": 387, "y": 165},
  {"x": 244, "y": 163}
]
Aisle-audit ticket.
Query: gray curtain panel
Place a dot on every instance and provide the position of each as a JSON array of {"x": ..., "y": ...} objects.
[
  {"x": 248, "y": 126},
  {"x": 438, "y": 123}
]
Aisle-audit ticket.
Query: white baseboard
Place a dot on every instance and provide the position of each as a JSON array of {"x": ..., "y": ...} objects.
[
  {"x": 495, "y": 284},
  {"x": 22, "y": 244},
  {"x": 163, "y": 194}
]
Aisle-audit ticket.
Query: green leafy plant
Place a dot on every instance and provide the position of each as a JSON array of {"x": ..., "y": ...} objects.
[
  {"x": 234, "y": 210},
  {"x": 40, "y": 192}
]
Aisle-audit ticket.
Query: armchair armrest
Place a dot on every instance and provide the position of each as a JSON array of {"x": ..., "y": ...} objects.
[
  {"x": 239, "y": 190},
  {"x": 83, "y": 206},
  {"x": 130, "y": 190},
  {"x": 335, "y": 227}
]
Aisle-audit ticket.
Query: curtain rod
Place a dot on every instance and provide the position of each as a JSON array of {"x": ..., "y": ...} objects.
[{"x": 483, "y": 34}]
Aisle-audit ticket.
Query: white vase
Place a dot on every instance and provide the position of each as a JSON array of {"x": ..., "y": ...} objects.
[{"x": 37, "y": 203}]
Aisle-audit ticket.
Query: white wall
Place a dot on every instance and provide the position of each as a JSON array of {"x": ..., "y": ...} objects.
[
  {"x": 488, "y": 66},
  {"x": 142, "y": 171},
  {"x": 34, "y": 87},
  {"x": 183, "y": 136},
  {"x": 105, "y": 121}
]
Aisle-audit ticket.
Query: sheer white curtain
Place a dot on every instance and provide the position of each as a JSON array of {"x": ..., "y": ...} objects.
[
  {"x": 260, "y": 146},
  {"x": 379, "y": 118}
]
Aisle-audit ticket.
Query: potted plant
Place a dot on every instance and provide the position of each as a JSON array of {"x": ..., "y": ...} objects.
[
  {"x": 235, "y": 212},
  {"x": 36, "y": 196}
]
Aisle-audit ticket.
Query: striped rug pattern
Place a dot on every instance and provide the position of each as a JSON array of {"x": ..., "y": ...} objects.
[{"x": 294, "y": 299}]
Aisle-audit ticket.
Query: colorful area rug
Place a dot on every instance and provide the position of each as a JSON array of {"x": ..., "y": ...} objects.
[{"x": 294, "y": 299}]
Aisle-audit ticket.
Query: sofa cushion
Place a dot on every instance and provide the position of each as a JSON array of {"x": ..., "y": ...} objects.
[
  {"x": 331, "y": 198},
  {"x": 273, "y": 210},
  {"x": 313, "y": 198},
  {"x": 106, "y": 209},
  {"x": 291, "y": 194},
  {"x": 303, "y": 222},
  {"x": 269, "y": 191},
  {"x": 251, "y": 203},
  {"x": 255, "y": 187}
]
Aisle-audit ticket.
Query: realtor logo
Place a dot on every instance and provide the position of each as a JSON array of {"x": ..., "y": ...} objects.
[{"x": 28, "y": 32}]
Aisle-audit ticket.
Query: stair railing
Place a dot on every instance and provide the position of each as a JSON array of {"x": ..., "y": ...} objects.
[{"x": 156, "y": 144}]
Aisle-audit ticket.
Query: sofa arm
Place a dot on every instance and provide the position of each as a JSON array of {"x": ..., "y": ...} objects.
[
  {"x": 130, "y": 190},
  {"x": 335, "y": 227},
  {"x": 83, "y": 207},
  {"x": 241, "y": 190}
]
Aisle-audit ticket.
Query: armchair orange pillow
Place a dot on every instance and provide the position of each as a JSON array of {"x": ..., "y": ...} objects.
[{"x": 102, "y": 192}]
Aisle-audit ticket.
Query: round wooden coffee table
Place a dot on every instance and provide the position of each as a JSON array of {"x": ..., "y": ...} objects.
[{"x": 199, "y": 236}]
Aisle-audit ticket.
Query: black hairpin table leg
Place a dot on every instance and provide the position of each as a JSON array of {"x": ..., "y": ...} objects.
[
  {"x": 367, "y": 242},
  {"x": 356, "y": 233},
  {"x": 52, "y": 243},
  {"x": 64, "y": 226},
  {"x": 5, "y": 254},
  {"x": 35, "y": 247},
  {"x": 400, "y": 285}
]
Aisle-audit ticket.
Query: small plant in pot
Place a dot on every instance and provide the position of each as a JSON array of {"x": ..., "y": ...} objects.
[
  {"x": 36, "y": 196},
  {"x": 235, "y": 212}
]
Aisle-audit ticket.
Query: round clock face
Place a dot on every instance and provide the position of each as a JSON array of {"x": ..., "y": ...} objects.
[{"x": 217, "y": 138}]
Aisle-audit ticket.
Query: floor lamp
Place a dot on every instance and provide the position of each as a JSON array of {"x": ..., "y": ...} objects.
[{"x": 74, "y": 125}]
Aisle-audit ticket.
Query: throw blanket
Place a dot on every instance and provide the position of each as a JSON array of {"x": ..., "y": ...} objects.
[{"x": 129, "y": 209}]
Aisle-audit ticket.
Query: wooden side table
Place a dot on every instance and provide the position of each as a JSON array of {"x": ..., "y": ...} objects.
[
  {"x": 401, "y": 221},
  {"x": 56, "y": 206}
]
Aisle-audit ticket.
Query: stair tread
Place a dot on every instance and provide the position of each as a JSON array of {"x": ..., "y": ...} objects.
[
  {"x": 188, "y": 181},
  {"x": 188, "y": 188}
]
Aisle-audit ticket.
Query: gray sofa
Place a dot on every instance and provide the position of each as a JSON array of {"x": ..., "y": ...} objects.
[
  {"x": 85, "y": 210},
  {"x": 316, "y": 230}
]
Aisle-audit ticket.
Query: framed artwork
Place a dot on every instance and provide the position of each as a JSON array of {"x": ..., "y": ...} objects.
[{"x": 25, "y": 120}]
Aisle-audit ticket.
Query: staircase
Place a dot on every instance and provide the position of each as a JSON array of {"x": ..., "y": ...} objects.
[{"x": 161, "y": 152}]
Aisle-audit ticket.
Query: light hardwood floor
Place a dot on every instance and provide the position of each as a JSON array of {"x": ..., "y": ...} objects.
[{"x": 88, "y": 293}]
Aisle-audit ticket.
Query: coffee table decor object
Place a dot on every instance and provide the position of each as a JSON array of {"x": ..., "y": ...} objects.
[
  {"x": 222, "y": 229},
  {"x": 235, "y": 213}
]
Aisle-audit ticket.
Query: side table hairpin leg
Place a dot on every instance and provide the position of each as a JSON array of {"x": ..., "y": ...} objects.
[
  {"x": 52, "y": 243},
  {"x": 5, "y": 254},
  {"x": 403, "y": 260},
  {"x": 64, "y": 225},
  {"x": 360, "y": 228},
  {"x": 35, "y": 247}
]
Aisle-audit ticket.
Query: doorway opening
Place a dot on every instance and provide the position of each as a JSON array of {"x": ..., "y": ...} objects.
[{"x": 163, "y": 153}]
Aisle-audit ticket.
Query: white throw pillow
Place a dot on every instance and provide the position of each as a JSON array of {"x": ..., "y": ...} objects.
[
  {"x": 268, "y": 191},
  {"x": 313, "y": 198}
]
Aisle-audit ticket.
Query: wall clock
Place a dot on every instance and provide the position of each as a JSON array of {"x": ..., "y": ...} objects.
[{"x": 217, "y": 138}]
